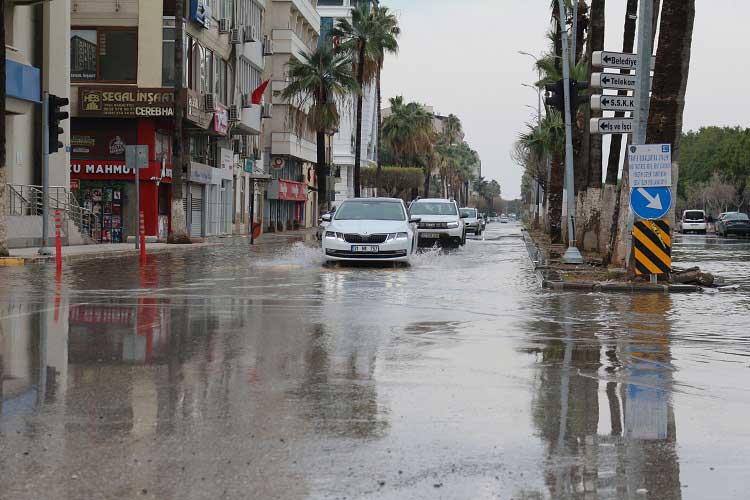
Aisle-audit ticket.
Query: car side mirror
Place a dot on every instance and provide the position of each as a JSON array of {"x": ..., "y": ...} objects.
[
  {"x": 464, "y": 216},
  {"x": 326, "y": 217},
  {"x": 415, "y": 220}
]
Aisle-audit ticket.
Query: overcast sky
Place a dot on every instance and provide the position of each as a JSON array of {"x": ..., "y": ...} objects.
[{"x": 462, "y": 57}]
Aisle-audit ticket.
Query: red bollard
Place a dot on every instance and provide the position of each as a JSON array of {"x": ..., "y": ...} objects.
[
  {"x": 142, "y": 236},
  {"x": 58, "y": 241}
]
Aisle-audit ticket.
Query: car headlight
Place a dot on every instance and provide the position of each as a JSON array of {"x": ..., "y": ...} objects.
[
  {"x": 397, "y": 236},
  {"x": 330, "y": 235},
  {"x": 453, "y": 225}
]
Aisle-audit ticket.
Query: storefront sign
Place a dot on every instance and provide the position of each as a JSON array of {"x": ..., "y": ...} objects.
[
  {"x": 200, "y": 173},
  {"x": 221, "y": 119},
  {"x": 249, "y": 165},
  {"x": 194, "y": 110},
  {"x": 125, "y": 102},
  {"x": 75, "y": 184},
  {"x": 227, "y": 158},
  {"x": 287, "y": 191},
  {"x": 99, "y": 169},
  {"x": 108, "y": 144}
]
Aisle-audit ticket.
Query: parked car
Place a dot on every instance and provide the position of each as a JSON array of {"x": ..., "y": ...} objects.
[
  {"x": 693, "y": 221},
  {"x": 440, "y": 222},
  {"x": 472, "y": 221},
  {"x": 370, "y": 229},
  {"x": 733, "y": 223}
]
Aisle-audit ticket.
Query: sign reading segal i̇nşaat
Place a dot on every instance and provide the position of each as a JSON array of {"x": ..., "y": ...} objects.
[{"x": 650, "y": 165}]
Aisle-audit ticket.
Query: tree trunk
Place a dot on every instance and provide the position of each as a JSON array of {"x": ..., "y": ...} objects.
[
  {"x": 178, "y": 226},
  {"x": 428, "y": 173},
  {"x": 596, "y": 42},
  {"x": 380, "y": 128},
  {"x": 556, "y": 199},
  {"x": 3, "y": 190},
  {"x": 321, "y": 172},
  {"x": 358, "y": 139},
  {"x": 670, "y": 80},
  {"x": 615, "y": 150}
]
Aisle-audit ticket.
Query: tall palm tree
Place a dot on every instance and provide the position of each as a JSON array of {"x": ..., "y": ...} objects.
[
  {"x": 319, "y": 82},
  {"x": 364, "y": 37},
  {"x": 383, "y": 43},
  {"x": 3, "y": 228},
  {"x": 591, "y": 154}
]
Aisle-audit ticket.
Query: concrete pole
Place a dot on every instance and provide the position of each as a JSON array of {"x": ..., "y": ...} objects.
[
  {"x": 572, "y": 255},
  {"x": 642, "y": 98}
]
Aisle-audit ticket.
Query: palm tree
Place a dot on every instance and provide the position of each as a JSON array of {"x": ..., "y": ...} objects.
[
  {"x": 368, "y": 36},
  {"x": 3, "y": 229},
  {"x": 383, "y": 43},
  {"x": 319, "y": 82}
]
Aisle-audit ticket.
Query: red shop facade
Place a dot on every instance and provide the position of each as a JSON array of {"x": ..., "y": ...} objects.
[{"x": 110, "y": 119}]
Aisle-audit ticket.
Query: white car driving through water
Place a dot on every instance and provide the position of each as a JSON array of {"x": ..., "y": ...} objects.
[
  {"x": 370, "y": 229},
  {"x": 439, "y": 222}
]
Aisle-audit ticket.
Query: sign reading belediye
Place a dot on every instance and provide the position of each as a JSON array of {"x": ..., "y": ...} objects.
[{"x": 650, "y": 165}]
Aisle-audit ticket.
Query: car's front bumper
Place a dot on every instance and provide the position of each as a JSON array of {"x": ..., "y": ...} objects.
[
  {"x": 394, "y": 250},
  {"x": 453, "y": 235}
]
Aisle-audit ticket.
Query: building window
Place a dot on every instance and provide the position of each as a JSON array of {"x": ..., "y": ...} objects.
[
  {"x": 167, "y": 52},
  {"x": 326, "y": 26},
  {"x": 204, "y": 149},
  {"x": 249, "y": 76},
  {"x": 220, "y": 78},
  {"x": 250, "y": 14},
  {"x": 104, "y": 54},
  {"x": 163, "y": 147}
]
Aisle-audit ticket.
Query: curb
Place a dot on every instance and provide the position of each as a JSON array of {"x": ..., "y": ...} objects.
[
  {"x": 114, "y": 254},
  {"x": 12, "y": 261}
]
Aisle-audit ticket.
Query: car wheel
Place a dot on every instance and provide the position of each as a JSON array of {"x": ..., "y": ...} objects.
[{"x": 463, "y": 240}]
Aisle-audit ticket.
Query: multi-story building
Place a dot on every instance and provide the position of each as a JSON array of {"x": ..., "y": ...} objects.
[
  {"x": 37, "y": 61},
  {"x": 123, "y": 76},
  {"x": 344, "y": 141},
  {"x": 293, "y": 26}
]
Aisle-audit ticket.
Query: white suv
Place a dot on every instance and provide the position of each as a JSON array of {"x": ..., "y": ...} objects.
[
  {"x": 439, "y": 222},
  {"x": 693, "y": 221}
]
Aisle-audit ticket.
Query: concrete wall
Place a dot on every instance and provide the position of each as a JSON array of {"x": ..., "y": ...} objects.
[{"x": 150, "y": 22}]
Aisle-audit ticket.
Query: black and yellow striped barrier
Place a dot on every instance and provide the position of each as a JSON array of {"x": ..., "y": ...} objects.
[{"x": 653, "y": 247}]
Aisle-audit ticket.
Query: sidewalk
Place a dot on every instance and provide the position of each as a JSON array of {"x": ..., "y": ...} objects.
[{"x": 24, "y": 256}]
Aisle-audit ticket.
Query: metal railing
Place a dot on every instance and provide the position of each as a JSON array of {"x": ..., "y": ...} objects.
[{"x": 28, "y": 200}]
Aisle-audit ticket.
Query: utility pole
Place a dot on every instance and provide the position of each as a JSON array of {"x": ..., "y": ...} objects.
[
  {"x": 45, "y": 175},
  {"x": 572, "y": 254},
  {"x": 642, "y": 98}
]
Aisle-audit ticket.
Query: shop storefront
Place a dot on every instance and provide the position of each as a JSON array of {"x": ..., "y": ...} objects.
[
  {"x": 210, "y": 200},
  {"x": 286, "y": 205},
  {"x": 110, "y": 119}
]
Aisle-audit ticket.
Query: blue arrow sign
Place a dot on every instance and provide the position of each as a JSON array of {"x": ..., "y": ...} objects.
[{"x": 651, "y": 203}]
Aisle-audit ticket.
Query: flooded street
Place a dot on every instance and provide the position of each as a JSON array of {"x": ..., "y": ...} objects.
[{"x": 231, "y": 372}]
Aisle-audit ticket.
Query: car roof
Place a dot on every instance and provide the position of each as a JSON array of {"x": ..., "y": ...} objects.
[
  {"x": 384, "y": 200},
  {"x": 433, "y": 200}
]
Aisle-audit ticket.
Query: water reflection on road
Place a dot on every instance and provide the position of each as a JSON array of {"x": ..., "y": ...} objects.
[{"x": 260, "y": 373}]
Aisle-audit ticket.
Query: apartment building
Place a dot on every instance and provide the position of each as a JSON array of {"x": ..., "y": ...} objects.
[
  {"x": 345, "y": 139},
  {"x": 37, "y": 61},
  {"x": 122, "y": 94},
  {"x": 293, "y": 27}
]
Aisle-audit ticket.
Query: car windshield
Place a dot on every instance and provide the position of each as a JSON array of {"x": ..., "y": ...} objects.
[
  {"x": 694, "y": 216},
  {"x": 370, "y": 210},
  {"x": 737, "y": 217},
  {"x": 433, "y": 208},
  {"x": 469, "y": 212}
]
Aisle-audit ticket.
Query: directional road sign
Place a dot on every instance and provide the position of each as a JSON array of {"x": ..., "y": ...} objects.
[
  {"x": 601, "y": 59},
  {"x": 612, "y": 103},
  {"x": 653, "y": 247},
  {"x": 611, "y": 125},
  {"x": 651, "y": 203},
  {"x": 613, "y": 81},
  {"x": 650, "y": 165}
]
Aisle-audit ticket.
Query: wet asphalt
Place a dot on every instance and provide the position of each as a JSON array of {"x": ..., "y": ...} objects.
[{"x": 231, "y": 372}]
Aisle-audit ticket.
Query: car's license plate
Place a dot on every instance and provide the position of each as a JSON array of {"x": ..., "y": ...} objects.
[
  {"x": 430, "y": 235},
  {"x": 365, "y": 248}
]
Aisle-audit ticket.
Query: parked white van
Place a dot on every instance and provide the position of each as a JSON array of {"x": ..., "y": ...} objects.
[{"x": 693, "y": 221}]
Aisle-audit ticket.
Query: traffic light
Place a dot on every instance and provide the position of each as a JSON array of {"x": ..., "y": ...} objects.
[
  {"x": 575, "y": 98},
  {"x": 54, "y": 117},
  {"x": 555, "y": 98}
]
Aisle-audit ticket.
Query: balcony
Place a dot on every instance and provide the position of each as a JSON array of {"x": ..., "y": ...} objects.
[
  {"x": 253, "y": 52},
  {"x": 286, "y": 41},
  {"x": 308, "y": 11},
  {"x": 283, "y": 143},
  {"x": 250, "y": 121}
]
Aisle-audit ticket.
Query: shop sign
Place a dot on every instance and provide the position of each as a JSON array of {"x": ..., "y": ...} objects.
[
  {"x": 200, "y": 12},
  {"x": 101, "y": 169},
  {"x": 125, "y": 102},
  {"x": 249, "y": 165},
  {"x": 101, "y": 145},
  {"x": 200, "y": 173},
  {"x": 194, "y": 110},
  {"x": 287, "y": 191},
  {"x": 75, "y": 184},
  {"x": 227, "y": 158},
  {"x": 221, "y": 119}
]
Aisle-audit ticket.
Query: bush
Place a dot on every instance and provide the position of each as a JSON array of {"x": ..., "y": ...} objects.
[{"x": 395, "y": 182}]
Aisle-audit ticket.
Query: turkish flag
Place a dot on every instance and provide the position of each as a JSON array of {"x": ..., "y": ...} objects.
[{"x": 257, "y": 95}]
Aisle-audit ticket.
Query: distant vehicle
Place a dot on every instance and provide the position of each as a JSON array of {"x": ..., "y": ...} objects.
[
  {"x": 504, "y": 219},
  {"x": 733, "y": 223},
  {"x": 440, "y": 222},
  {"x": 370, "y": 229},
  {"x": 483, "y": 221},
  {"x": 693, "y": 221},
  {"x": 472, "y": 221}
]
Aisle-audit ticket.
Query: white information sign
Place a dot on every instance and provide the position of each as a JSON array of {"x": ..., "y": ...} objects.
[
  {"x": 650, "y": 165},
  {"x": 617, "y": 60},
  {"x": 611, "y": 126}
]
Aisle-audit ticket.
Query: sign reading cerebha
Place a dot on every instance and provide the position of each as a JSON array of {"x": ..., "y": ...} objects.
[{"x": 125, "y": 102}]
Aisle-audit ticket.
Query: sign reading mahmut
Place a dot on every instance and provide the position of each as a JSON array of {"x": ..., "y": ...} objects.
[
  {"x": 650, "y": 165},
  {"x": 125, "y": 102}
]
